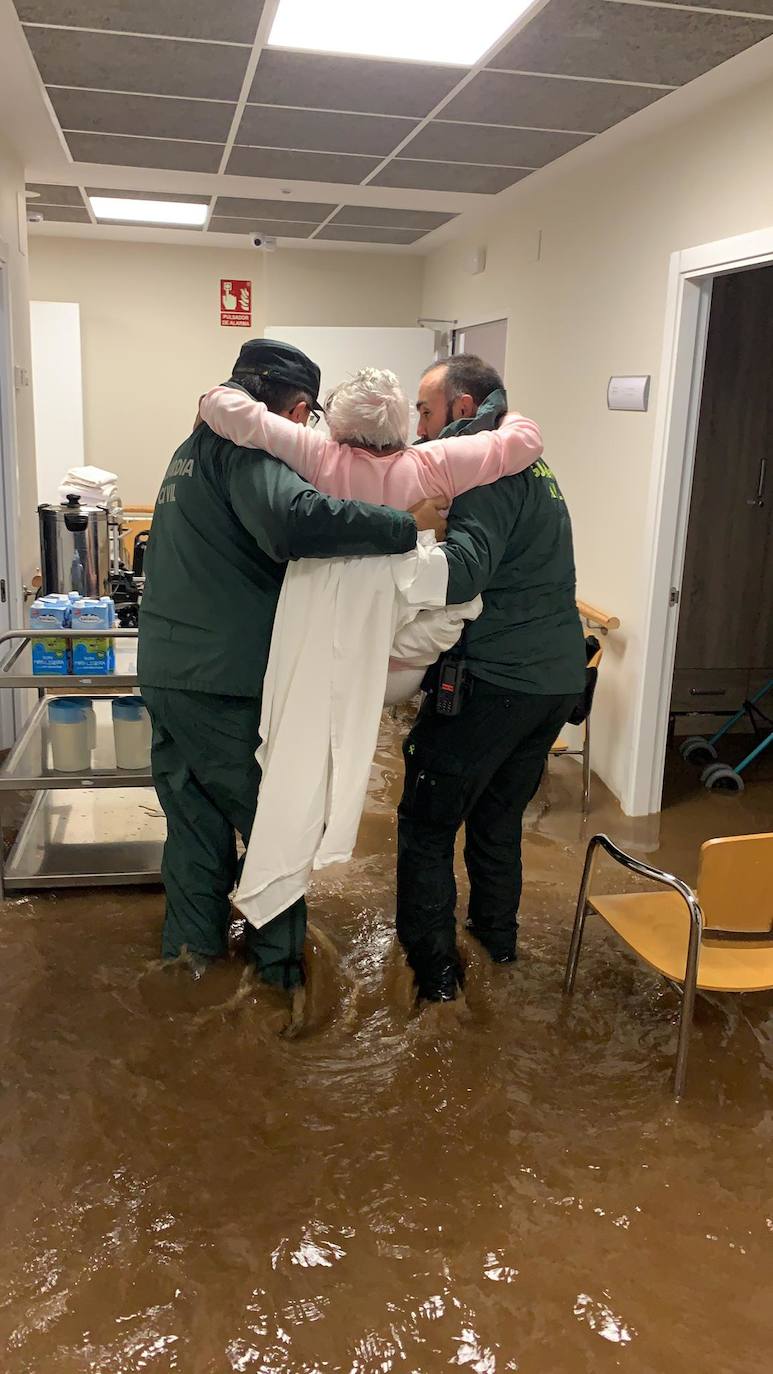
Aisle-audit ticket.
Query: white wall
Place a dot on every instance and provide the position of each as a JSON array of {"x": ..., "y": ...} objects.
[
  {"x": 580, "y": 265},
  {"x": 56, "y": 363},
  {"x": 340, "y": 352},
  {"x": 13, "y": 237},
  {"x": 152, "y": 339}
]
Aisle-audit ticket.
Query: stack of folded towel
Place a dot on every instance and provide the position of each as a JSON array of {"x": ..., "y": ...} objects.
[{"x": 94, "y": 486}]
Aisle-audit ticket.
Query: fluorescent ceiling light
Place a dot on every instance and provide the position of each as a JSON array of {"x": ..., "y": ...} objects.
[
  {"x": 149, "y": 211},
  {"x": 455, "y": 32}
]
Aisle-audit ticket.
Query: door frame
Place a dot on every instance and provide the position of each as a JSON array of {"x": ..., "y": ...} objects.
[
  {"x": 473, "y": 322},
  {"x": 688, "y": 302},
  {"x": 9, "y": 485}
]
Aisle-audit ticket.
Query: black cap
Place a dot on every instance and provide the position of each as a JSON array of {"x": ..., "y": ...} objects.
[{"x": 278, "y": 362}]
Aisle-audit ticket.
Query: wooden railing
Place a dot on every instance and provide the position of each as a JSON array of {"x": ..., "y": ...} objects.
[{"x": 596, "y": 619}]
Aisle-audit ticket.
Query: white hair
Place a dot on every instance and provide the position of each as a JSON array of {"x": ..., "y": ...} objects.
[{"x": 371, "y": 411}]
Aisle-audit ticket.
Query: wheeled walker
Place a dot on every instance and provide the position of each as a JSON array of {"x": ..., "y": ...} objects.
[{"x": 718, "y": 776}]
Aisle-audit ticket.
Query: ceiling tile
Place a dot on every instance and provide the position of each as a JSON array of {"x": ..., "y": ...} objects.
[
  {"x": 276, "y": 162},
  {"x": 150, "y": 115},
  {"x": 145, "y": 152},
  {"x": 485, "y": 143},
  {"x": 155, "y": 66},
  {"x": 625, "y": 42},
  {"x": 265, "y": 126},
  {"x": 384, "y": 217},
  {"x": 223, "y": 224},
  {"x": 300, "y": 211},
  {"x": 62, "y": 213},
  {"x": 347, "y": 233},
  {"x": 439, "y": 176},
  {"x": 177, "y": 196},
  {"x": 544, "y": 103},
  {"x": 232, "y": 21},
  {"x": 318, "y": 81},
  {"x": 54, "y": 195}
]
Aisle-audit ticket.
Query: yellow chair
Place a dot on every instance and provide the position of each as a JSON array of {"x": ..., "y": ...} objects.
[
  {"x": 562, "y": 748},
  {"x": 716, "y": 939}
]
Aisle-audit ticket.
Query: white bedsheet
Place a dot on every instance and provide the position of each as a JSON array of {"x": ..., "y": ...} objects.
[{"x": 337, "y": 624}]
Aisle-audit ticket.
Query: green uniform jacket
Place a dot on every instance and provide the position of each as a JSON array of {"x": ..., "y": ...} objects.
[
  {"x": 226, "y": 522},
  {"x": 512, "y": 542}
]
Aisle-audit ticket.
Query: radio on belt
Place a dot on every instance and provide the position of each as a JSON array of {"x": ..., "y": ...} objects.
[{"x": 452, "y": 685}]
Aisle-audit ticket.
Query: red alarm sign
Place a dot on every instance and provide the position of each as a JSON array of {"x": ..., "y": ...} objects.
[{"x": 236, "y": 303}]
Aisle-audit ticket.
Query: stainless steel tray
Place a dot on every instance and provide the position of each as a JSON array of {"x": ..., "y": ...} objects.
[{"x": 91, "y": 840}]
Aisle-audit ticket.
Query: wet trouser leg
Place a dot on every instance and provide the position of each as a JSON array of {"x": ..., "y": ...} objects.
[
  {"x": 207, "y": 780},
  {"x": 481, "y": 767}
]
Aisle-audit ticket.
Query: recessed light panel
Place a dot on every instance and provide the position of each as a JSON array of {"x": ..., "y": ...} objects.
[
  {"x": 444, "y": 31},
  {"x": 172, "y": 212}
]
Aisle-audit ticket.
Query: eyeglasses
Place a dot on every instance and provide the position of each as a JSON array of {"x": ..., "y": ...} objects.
[{"x": 314, "y": 418}]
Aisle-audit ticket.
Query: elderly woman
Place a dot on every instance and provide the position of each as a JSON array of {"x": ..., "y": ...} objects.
[{"x": 368, "y": 455}]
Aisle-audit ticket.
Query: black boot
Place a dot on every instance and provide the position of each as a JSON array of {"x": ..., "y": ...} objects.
[
  {"x": 441, "y": 984},
  {"x": 499, "y": 952}
]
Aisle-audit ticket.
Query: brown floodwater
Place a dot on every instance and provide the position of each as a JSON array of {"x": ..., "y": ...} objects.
[{"x": 502, "y": 1184}]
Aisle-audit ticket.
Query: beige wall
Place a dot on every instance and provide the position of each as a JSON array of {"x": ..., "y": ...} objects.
[
  {"x": 11, "y": 187},
  {"x": 591, "y": 305},
  {"x": 152, "y": 339}
]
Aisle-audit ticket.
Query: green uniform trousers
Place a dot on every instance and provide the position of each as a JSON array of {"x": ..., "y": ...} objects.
[{"x": 207, "y": 780}]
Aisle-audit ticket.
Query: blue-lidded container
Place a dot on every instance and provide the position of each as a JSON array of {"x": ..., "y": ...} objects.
[
  {"x": 132, "y": 730},
  {"x": 62, "y": 710},
  {"x": 69, "y": 730},
  {"x": 129, "y": 708}
]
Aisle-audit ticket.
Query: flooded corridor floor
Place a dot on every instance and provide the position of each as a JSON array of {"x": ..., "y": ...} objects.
[{"x": 506, "y": 1186}]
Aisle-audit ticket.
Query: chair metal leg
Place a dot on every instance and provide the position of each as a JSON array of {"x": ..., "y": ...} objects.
[
  {"x": 586, "y": 768},
  {"x": 579, "y": 919},
  {"x": 688, "y": 1007},
  {"x": 695, "y": 913}
]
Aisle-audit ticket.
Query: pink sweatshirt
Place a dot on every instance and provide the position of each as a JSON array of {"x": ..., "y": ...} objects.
[{"x": 442, "y": 467}]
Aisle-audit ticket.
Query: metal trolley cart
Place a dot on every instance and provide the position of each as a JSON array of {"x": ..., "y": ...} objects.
[
  {"x": 102, "y": 827},
  {"x": 718, "y": 776}
]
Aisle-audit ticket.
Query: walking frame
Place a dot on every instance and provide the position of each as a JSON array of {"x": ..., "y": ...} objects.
[{"x": 718, "y": 776}]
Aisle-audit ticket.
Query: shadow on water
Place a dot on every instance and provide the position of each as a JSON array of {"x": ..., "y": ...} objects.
[{"x": 193, "y": 1182}]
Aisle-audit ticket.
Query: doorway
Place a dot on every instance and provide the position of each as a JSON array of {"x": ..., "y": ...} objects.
[
  {"x": 487, "y": 341},
  {"x": 692, "y": 274},
  {"x": 724, "y": 647}
]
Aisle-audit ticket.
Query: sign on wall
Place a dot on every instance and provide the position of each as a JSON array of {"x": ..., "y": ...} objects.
[{"x": 236, "y": 303}]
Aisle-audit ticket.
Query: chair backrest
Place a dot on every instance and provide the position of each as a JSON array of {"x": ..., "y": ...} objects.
[{"x": 735, "y": 883}]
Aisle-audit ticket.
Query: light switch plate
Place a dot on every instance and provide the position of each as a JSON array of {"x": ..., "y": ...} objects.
[{"x": 628, "y": 393}]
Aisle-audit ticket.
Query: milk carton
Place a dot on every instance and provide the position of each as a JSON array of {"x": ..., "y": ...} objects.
[
  {"x": 50, "y": 655},
  {"x": 95, "y": 657}
]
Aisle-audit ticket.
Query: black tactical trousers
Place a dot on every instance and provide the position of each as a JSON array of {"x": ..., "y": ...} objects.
[{"x": 481, "y": 769}]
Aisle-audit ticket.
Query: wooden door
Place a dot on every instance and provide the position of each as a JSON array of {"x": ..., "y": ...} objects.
[
  {"x": 727, "y": 592},
  {"x": 762, "y": 588}
]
